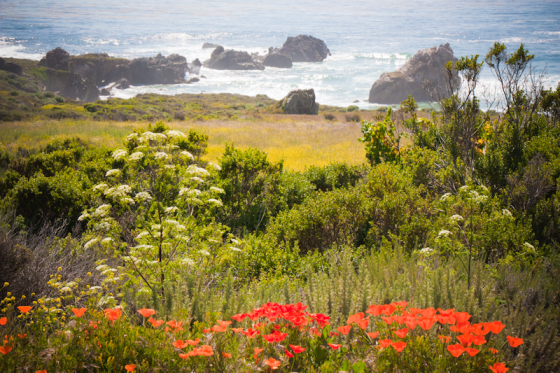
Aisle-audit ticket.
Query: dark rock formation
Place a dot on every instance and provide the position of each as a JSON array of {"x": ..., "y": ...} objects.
[
  {"x": 300, "y": 102},
  {"x": 194, "y": 67},
  {"x": 57, "y": 59},
  {"x": 193, "y": 80},
  {"x": 423, "y": 77},
  {"x": 304, "y": 48},
  {"x": 278, "y": 60},
  {"x": 104, "y": 92},
  {"x": 209, "y": 46},
  {"x": 230, "y": 59},
  {"x": 121, "y": 84},
  {"x": 11, "y": 67},
  {"x": 99, "y": 66},
  {"x": 157, "y": 70}
]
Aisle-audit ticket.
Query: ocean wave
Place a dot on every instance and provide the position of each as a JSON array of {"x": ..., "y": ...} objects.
[
  {"x": 90, "y": 41},
  {"x": 11, "y": 48},
  {"x": 181, "y": 36}
]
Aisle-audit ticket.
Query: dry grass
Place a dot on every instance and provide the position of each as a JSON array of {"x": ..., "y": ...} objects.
[{"x": 301, "y": 141}]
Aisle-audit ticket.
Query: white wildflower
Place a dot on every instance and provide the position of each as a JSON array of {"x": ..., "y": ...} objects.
[
  {"x": 95, "y": 288},
  {"x": 172, "y": 222},
  {"x": 234, "y": 249},
  {"x": 507, "y": 213},
  {"x": 187, "y": 261},
  {"x": 113, "y": 172},
  {"x": 444, "y": 233},
  {"x": 102, "y": 211},
  {"x": 161, "y": 155},
  {"x": 217, "y": 190},
  {"x": 464, "y": 188},
  {"x": 90, "y": 243},
  {"x": 180, "y": 227},
  {"x": 197, "y": 179},
  {"x": 102, "y": 267},
  {"x": 120, "y": 154},
  {"x": 183, "y": 191},
  {"x": 100, "y": 187},
  {"x": 119, "y": 191},
  {"x": 132, "y": 136},
  {"x": 193, "y": 193},
  {"x": 150, "y": 136},
  {"x": 174, "y": 134},
  {"x": 445, "y": 196},
  {"x": 84, "y": 216},
  {"x": 65, "y": 289},
  {"x": 235, "y": 241},
  {"x": 170, "y": 166},
  {"x": 215, "y": 202},
  {"x": 143, "y": 247},
  {"x": 195, "y": 170},
  {"x": 214, "y": 166},
  {"x": 204, "y": 252},
  {"x": 103, "y": 226},
  {"x": 185, "y": 153},
  {"x": 143, "y": 196},
  {"x": 106, "y": 240},
  {"x": 142, "y": 234},
  {"x": 171, "y": 209},
  {"x": 427, "y": 250},
  {"x": 156, "y": 227},
  {"x": 127, "y": 200},
  {"x": 528, "y": 246},
  {"x": 456, "y": 218},
  {"x": 136, "y": 156}
]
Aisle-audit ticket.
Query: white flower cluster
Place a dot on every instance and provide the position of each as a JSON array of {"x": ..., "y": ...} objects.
[
  {"x": 132, "y": 136},
  {"x": 161, "y": 155},
  {"x": 90, "y": 243},
  {"x": 118, "y": 191},
  {"x": 101, "y": 187},
  {"x": 143, "y": 196},
  {"x": 217, "y": 190},
  {"x": 102, "y": 211},
  {"x": 214, "y": 166},
  {"x": 456, "y": 218},
  {"x": 197, "y": 171},
  {"x": 171, "y": 209},
  {"x": 113, "y": 172},
  {"x": 427, "y": 250},
  {"x": 136, "y": 156},
  {"x": 445, "y": 196},
  {"x": 507, "y": 213},
  {"x": 185, "y": 153},
  {"x": 150, "y": 136},
  {"x": 175, "y": 134},
  {"x": 84, "y": 216},
  {"x": 215, "y": 202},
  {"x": 120, "y": 154},
  {"x": 444, "y": 233},
  {"x": 127, "y": 200}
]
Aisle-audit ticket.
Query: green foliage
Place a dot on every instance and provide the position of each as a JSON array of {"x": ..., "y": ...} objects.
[{"x": 382, "y": 142}]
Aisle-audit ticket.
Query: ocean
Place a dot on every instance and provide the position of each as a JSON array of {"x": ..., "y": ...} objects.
[{"x": 366, "y": 38}]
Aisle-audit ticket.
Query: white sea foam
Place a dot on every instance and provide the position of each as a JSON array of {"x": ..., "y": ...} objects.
[{"x": 9, "y": 48}]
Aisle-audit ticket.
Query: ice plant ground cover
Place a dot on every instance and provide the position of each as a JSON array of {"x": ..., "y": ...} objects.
[{"x": 282, "y": 337}]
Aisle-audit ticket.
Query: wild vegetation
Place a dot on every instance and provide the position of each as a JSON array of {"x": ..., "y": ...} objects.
[{"x": 438, "y": 253}]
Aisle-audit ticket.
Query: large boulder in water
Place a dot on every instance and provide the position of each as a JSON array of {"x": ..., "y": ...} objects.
[
  {"x": 157, "y": 70},
  {"x": 300, "y": 101},
  {"x": 57, "y": 59},
  {"x": 422, "y": 77},
  {"x": 209, "y": 46},
  {"x": 305, "y": 48},
  {"x": 229, "y": 59},
  {"x": 278, "y": 60}
]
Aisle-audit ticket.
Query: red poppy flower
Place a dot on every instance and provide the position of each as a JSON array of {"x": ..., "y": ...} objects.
[
  {"x": 130, "y": 367},
  {"x": 191, "y": 342},
  {"x": 5, "y": 349},
  {"x": 239, "y": 317},
  {"x": 410, "y": 321},
  {"x": 477, "y": 329},
  {"x": 456, "y": 350},
  {"x": 495, "y": 326},
  {"x": 479, "y": 340},
  {"x": 146, "y": 312},
  {"x": 275, "y": 336},
  {"x": 334, "y": 346},
  {"x": 206, "y": 350},
  {"x": 3, "y": 320},
  {"x": 389, "y": 320},
  {"x": 426, "y": 323},
  {"x": 493, "y": 350},
  {"x": 297, "y": 349},
  {"x": 41, "y": 371},
  {"x": 180, "y": 344},
  {"x": 373, "y": 335},
  {"x": 344, "y": 329},
  {"x": 22, "y": 336},
  {"x": 428, "y": 313},
  {"x": 218, "y": 329},
  {"x": 226, "y": 355},
  {"x": 257, "y": 351},
  {"x": 113, "y": 314},
  {"x": 288, "y": 353},
  {"x": 399, "y": 346},
  {"x": 389, "y": 309},
  {"x": 24, "y": 309},
  {"x": 446, "y": 312},
  {"x": 461, "y": 316},
  {"x": 237, "y": 330},
  {"x": 251, "y": 333},
  {"x": 79, "y": 312},
  {"x": 184, "y": 356},
  {"x": 355, "y": 318},
  {"x": 465, "y": 339},
  {"x": 461, "y": 327},
  {"x": 514, "y": 342},
  {"x": 273, "y": 364},
  {"x": 401, "y": 305},
  {"x": 472, "y": 351},
  {"x": 375, "y": 310},
  {"x": 385, "y": 343},
  {"x": 155, "y": 323},
  {"x": 401, "y": 333},
  {"x": 499, "y": 368}
]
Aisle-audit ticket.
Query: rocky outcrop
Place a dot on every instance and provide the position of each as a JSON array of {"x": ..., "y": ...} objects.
[
  {"x": 305, "y": 48},
  {"x": 278, "y": 60},
  {"x": 194, "y": 67},
  {"x": 57, "y": 59},
  {"x": 157, "y": 70},
  {"x": 11, "y": 67},
  {"x": 422, "y": 77},
  {"x": 222, "y": 59},
  {"x": 301, "y": 101},
  {"x": 209, "y": 46},
  {"x": 102, "y": 68}
]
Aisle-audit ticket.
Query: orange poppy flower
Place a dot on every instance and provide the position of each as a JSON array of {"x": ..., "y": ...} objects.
[
  {"x": 344, "y": 329},
  {"x": 444, "y": 338},
  {"x": 514, "y": 342},
  {"x": 5, "y": 349},
  {"x": 410, "y": 321},
  {"x": 180, "y": 344},
  {"x": 206, "y": 350},
  {"x": 226, "y": 355},
  {"x": 399, "y": 346},
  {"x": 155, "y": 323},
  {"x": 257, "y": 351},
  {"x": 79, "y": 312},
  {"x": 147, "y": 312},
  {"x": 184, "y": 356},
  {"x": 465, "y": 339},
  {"x": 288, "y": 353},
  {"x": 446, "y": 312},
  {"x": 251, "y": 333},
  {"x": 113, "y": 314},
  {"x": 191, "y": 342},
  {"x": 401, "y": 333},
  {"x": 223, "y": 324},
  {"x": 297, "y": 349},
  {"x": 272, "y": 363},
  {"x": 389, "y": 309},
  {"x": 24, "y": 309},
  {"x": 375, "y": 310},
  {"x": 456, "y": 350},
  {"x": 498, "y": 368},
  {"x": 355, "y": 318},
  {"x": 401, "y": 305},
  {"x": 218, "y": 329},
  {"x": 389, "y": 320},
  {"x": 493, "y": 350},
  {"x": 428, "y": 313},
  {"x": 237, "y": 330},
  {"x": 3, "y": 320},
  {"x": 472, "y": 351},
  {"x": 477, "y": 329},
  {"x": 495, "y": 326},
  {"x": 21, "y": 336},
  {"x": 373, "y": 335},
  {"x": 461, "y": 316},
  {"x": 130, "y": 367},
  {"x": 461, "y": 327},
  {"x": 479, "y": 340},
  {"x": 334, "y": 346},
  {"x": 41, "y": 371},
  {"x": 385, "y": 343}
]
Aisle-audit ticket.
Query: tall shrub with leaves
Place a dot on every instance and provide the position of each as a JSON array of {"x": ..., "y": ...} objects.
[{"x": 381, "y": 140}]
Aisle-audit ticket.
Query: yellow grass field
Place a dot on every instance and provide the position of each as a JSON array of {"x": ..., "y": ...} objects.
[{"x": 301, "y": 141}]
